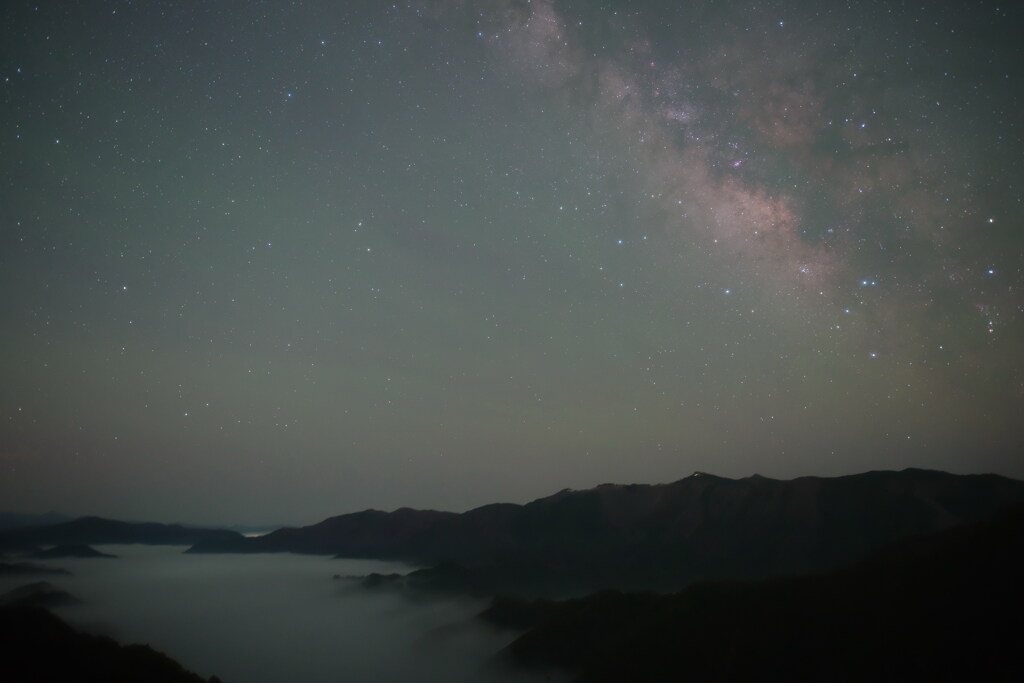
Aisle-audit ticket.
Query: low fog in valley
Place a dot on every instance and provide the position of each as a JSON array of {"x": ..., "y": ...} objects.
[{"x": 276, "y": 617}]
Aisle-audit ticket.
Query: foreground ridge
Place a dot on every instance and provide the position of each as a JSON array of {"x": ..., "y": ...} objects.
[
  {"x": 941, "y": 607},
  {"x": 36, "y": 645}
]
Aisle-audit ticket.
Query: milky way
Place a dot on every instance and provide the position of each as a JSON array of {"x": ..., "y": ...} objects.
[{"x": 266, "y": 263}]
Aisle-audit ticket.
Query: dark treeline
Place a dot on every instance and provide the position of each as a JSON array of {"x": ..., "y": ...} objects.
[{"x": 945, "y": 607}]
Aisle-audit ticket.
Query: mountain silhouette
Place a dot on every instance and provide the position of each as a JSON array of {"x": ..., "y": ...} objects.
[
  {"x": 660, "y": 537},
  {"x": 943, "y": 607},
  {"x": 79, "y": 550},
  {"x": 98, "y": 531},
  {"x": 36, "y": 645}
]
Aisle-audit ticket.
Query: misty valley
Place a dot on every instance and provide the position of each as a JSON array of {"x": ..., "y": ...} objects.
[
  {"x": 880, "y": 576},
  {"x": 272, "y": 617}
]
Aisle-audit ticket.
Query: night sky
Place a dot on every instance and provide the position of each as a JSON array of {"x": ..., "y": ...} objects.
[{"x": 267, "y": 262}]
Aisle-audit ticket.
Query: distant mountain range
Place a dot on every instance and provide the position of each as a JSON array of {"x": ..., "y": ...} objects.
[
  {"x": 634, "y": 537},
  {"x": 96, "y": 531},
  {"x": 79, "y": 550},
  {"x": 661, "y": 537},
  {"x": 942, "y": 607}
]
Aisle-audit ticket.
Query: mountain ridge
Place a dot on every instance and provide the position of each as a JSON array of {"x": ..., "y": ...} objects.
[
  {"x": 661, "y": 536},
  {"x": 93, "y": 530}
]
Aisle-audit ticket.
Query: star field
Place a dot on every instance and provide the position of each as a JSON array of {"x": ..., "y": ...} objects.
[{"x": 267, "y": 263}]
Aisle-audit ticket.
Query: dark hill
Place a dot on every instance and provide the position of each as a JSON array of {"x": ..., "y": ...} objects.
[
  {"x": 35, "y": 645},
  {"x": 659, "y": 536},
  {"x": 370, "y": 533},
  {"x": 78, "y": 550},
  {"x": 98, "y": 531},
  {"x": 38, "y": 594},
  {"x": 940, "y": 608}
]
